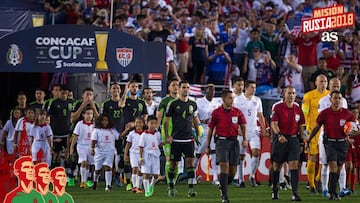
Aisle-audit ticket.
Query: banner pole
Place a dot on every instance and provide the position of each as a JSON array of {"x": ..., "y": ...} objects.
[{"x": 111, "y": 26}]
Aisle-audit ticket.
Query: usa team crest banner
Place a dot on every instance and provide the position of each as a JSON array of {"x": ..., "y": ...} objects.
[{"x": 79, "y": 48}]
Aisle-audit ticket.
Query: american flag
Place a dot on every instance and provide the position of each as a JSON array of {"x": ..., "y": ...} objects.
[
  {"x": 195, "y": 90},
  {"x": 294, "y": 25}
]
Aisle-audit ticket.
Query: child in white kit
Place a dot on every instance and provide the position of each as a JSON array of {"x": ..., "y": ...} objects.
[
  {"x": 150, "y": 142},
  {"x": 103, "y": 148},
  {"x": 132, "y": 145},
  {"x": 82, "y": 136},
  {"x": 8, "y": 135},
  {"x": 40, "y": 138}
]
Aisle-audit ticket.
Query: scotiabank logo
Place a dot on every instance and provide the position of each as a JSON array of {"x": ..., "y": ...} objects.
[{"x": 327, "y": 19}]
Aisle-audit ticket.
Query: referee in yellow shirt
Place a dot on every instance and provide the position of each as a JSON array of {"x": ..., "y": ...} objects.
[{"x": 310, "y": 109}]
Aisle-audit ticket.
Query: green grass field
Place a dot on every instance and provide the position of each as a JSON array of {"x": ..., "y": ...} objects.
[{"x": 206, "y": 193}]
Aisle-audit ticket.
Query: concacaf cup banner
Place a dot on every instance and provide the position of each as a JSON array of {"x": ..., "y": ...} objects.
[
  {"x": 327, "y": 21},
  {"x": 79, "y": 48}
]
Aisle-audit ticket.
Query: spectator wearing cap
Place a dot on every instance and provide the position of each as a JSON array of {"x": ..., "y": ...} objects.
[
  {"x": 198, "y": 52},
  {"x": 158, "y": 32},
  {"x": 347, "y": 49},
  {"x": 219, "y": 64},
  {"x": 270, "y": 39},
  {"x": 171, "y": 70},
  {"x": 241, "y": 33}
]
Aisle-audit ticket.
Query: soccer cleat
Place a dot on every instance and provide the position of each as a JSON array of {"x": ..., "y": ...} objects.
[
  {"x": 133, "y": 189},
  {"x": 191, "y": 193},
  {"x": 313, "y": 191},
  {"x": 253, "y": 182},
  {"x": 108, "y": 188},
  {"x": 216, "y": 182},
  {"x": 325, "y": 193},
  {"x": 128, "y": 187},
  {"x": 71, "y": 182},
  {"x": 171, "y": 192},
  {"x": 148, "y": 194},
  {"x": 242, "y": 185},
  {"x": 89, "y": 183},
  {"x": 295, "y": 197},
  {"x": 275, "y": 195},
  {"x": 236, "y": 182},
  {"x": 151, "y": 189},
  {"x": 318, "y": 186},
  {"x": 82, "y": 184},
  {"x": 94, "y": 186},
  {"x": 344, "y": 192},
  {"x": 225, "y": 200},
  {"x": 138, "y": 191},
  {"x": 307, "y": 186},
  {"x": 334, "y": 197},
  {"x": 283, "y": 186}
]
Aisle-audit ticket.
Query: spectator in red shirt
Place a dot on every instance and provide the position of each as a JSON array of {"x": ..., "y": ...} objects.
[{"x": 227, "y": 121}]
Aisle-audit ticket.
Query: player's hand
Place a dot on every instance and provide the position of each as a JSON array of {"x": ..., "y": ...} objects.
[
  {"x": 92, "y": 152},
  {"x": 169, "y": 139},
  {"x": 126, "y": 158},
  {"x": 244, "y": 143},
  {"x": 282, "y": 139},
  {"x": 207, "y": 151}
]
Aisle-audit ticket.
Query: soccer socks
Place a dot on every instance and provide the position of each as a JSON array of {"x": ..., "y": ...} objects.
[
  {"x": 241, "y": 171},
  {"x": 254, "y": 165},
  {"x": 318, "y": 175},
  {"x": 325, "y": 177},
  {"x": 352, "y": 181},
  {"x": 275, "y": 178},
  {"x": 342, "y": 178},
  {"x": 333, "y": 179},
  {"x": 83, "y": 174},
  {"x": 139, "y": 181},
  {"x": 167, "y": 168},
  {"x": 146, "y": 185},
  {"x": 133, "y": 180},
  {"x": 294, "y": 180},
  {"x": 224, "y": 184},
  {"x": 191, "y": 177},
  {"x": 108, "y": 176},
  {"x": 96, "y": 177},
  {"x": 153, "y": 181},
  {"x": 310, "y": 168},
  {"x": 171, "y": 177}
]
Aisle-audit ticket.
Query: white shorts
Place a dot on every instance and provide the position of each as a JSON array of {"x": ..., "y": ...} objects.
[
  {"x": 254, "y": 142},
  {"x": 103, "y": 159},
  {"x": 151, "y": 164},
  {"x": 35, "y": 148},
  {"x": 84, "y": 154},
  {"x": 322, "y": 153},
  {"x": 134, "y": 160},
  {"x": 10, "y": 147},
  {"x": 242, "y": 149}
]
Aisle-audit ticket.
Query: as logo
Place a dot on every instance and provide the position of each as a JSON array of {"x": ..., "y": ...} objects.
[
  {"x": 329, "y": 37},
  {"x": 14, "y": 55}
]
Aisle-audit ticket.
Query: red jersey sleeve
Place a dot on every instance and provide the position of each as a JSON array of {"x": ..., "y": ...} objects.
[
  {"x": 320, "y": 118},
  {"x": 274, "y": 113},
  {"x": 213, "y": 120}
]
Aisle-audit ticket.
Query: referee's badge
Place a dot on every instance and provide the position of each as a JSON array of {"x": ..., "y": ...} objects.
[
  {"x": 342, "y": 122},
  {"x": 234, "y": 119},
  {"x": 297, "y": 117}
]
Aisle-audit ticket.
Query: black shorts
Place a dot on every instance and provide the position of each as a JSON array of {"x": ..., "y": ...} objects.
[
  {"x": 288, "y": 151},
  {"x": 177, "y": 149},
  {"x": 228, "y": 151},
  {"x": 336, "y": 151},
  {"x": 59, "y": 146}
]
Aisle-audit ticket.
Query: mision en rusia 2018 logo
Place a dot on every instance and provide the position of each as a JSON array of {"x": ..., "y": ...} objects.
[{"x": 327, "y": 19}]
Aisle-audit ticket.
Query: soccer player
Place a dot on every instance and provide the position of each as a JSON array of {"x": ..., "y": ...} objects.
[
  {"x": 310, "y": 109},
  {"x": 286, "y": 144},
  {"x": 173, "y": 88},
  {"x": 43, "y": 180},
  {"x": 334, "y": 84},
  {"x": 205, "y": 107},
  {"x": 82, "y": 137},
  {"x": 149, "y": 144},
  {"x": 38, "y": 104},
  {"x": 103, "y": 148},
  {"x": 251, "y": 106},
  {"x": 227, "y": 122},
  {"x": 55, "y": 94},
  {"x": 40, "y": 138},
  {"x": 183, "y": 114},
  {"x": 22, "y": 131},
  {"x": 335, "y": 140},
  {"x": 132, "y": 146},
  {"x": 8, "y": 135},
  {"x": 21, "y": 100},
  {"x": 24, "y": 192}
]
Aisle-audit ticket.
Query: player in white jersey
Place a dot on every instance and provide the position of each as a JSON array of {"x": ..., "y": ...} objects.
[
  {"x": 334, "y": 84},
  {"x": 8, "y": 135},
  {"x": 103, "y": 148},
  {"x": 40, "y": 138},
  {"x": 251, "y": 106},
  {"x": 205, "y": 107},
  {"x": 150, "y": 143},
  {"x": 132, "y": 153},
  {"x": 82, "y": 137},
  {"x": 22, "y": 132}
]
